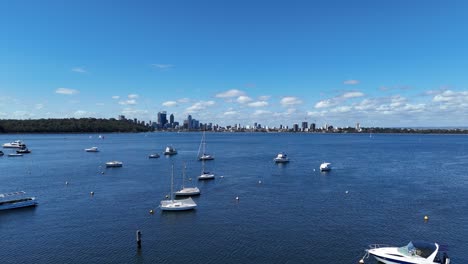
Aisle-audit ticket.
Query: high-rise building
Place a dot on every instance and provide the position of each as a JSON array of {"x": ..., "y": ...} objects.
[
  {"x": 171, "y": 119},
  {"x": 162, "y": 119},
  {"x": 189, "y": 121},
  {"x": 305, "y": 126},
  {"x": 296, "y": 127}
]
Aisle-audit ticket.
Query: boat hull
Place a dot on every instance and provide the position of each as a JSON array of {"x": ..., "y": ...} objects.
[
  {"x": 8, "y": 206},
  {"x": 206, "y": 177},
  {"x": 178, "y": 205},
  {"x": 281, "y": 160},
  {"x": 188, "y": 192}
]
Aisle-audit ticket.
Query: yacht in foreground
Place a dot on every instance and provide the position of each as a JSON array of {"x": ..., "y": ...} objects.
[
  {"x": 176, "y": 205},
  {"x": 281, "y": 158},
  {"x": 16, "y": 200},
  {"x": 92, "y": 149},
  {"x": 114, "y": 164},
  {"x": 325, "y": 166},
  {"x": 15, "y": 144},
  {"x": 416, "y": 252},
  {"x": 170, "y": 151}
]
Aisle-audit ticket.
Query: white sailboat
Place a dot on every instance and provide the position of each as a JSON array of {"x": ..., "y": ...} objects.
[
  {"x": 202, "y": 155},
  {"x": 176, "y": 205},
  {"x": 206, "y": 175},
  {"x": 187, "y": 191}
]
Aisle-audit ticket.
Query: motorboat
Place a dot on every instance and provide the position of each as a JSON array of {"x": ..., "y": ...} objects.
[
  {"x": 15, "y": 155},
  {"x": 206, "y": 175},
  {"x": 202, "y": 155},
  {"x": 14, "y": 144},
  {"x": 23, "y": 151},
  {"x": 187, "y": 191},
  {"x": 416, "y": 252},
  {"x": 176, "y": 205},
  {"x": 92, "y": 149},
  {"x": 281, "y": 158},
  {"x": 325, "y": 166},
  {"x": 16, "y": 200},
  {"x": 170, "y": 151},
  {"x": 114, "y": 164},
  {"x": 153, "y": 156}
]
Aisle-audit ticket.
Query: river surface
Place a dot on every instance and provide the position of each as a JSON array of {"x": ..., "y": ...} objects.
[{"x": 378, "y": 191}]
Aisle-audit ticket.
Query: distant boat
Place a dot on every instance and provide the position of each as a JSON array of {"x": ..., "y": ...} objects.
[
  {"x": 15, "y": 155},
  {"x": 16, "y": 200},
  {"x": 1, "y": 153},
  {"x": 170, "y": 151},
  {"x": 114, "y": 164},
  {"x": 206, "y": 175},
  {"x": 176, "y": 205},
  {"x": 325, "y": 166},
  {"x": 23, "y": 151},
  {"x": 15, "y": 144},
  {"x": 281, "y": 158},
  {"x": 92, "y": 149},
  {"x": 153, "y": 156},
  {"x": 202, "y": 155},
  {"x": 187, "y": 191}
]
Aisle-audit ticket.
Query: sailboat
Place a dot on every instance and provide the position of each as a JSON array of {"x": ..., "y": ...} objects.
[
  {"x": 205, "y": 175},
  {"x": 202, "y": 155},
  {"x": 187, "y": 191},
  {"x": 176, "y": 205}
]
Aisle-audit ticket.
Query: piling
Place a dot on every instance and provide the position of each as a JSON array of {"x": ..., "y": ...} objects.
[{"x": 138, "y": 238}]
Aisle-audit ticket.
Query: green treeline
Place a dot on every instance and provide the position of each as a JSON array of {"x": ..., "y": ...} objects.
[{"x": 72, "y": 125}]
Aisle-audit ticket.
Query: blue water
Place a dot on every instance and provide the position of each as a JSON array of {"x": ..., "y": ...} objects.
[{"x": 379, "y": 191}]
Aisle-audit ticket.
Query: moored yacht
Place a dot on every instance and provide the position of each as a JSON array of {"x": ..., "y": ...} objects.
[
  {"x": 325, "y": 166},
  {"x": 281, "y": 158},
  {"x": 113, "y": 164},
  {"x": 170, "y": 151},
  {"x": 92, "y": 149},
  {"x": 23, "y": 151},
  {"x": 16, "y": 200},
  {"x": 416, "y": 252},
  {"x": 15, "y": 144},
  {"x": 176, "y": 205},
  {"x": 153, "y": 156}
]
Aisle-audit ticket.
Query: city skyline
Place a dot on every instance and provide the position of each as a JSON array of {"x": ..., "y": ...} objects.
[{"x": 380, "y": 64}]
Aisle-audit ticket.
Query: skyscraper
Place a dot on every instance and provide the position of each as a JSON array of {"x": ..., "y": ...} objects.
[
  {"x": 171, "y": 119},
  {"x": 162, "y": 119}
]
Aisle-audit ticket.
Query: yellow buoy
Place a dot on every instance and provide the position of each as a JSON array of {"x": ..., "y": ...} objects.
[
  {"x": 426, "y": 218},
  {"x": 237, "y": 198},
  {"x": 151, "y": 211},
  {"x": 92, "y": 193},
  {"x": 167, "y": 196},
  {"x": 361, "y": 261}
]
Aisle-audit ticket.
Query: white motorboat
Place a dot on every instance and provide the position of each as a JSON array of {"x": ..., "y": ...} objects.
[
  {"x": 15, "y": 144},
  {"x": 16, "y": 200},
  {"x": 281, "y": 158},
  {"x": 416, "y": 252},
  {"x": 92, "y": 149},
  {"x": 15, "y": 155},
  {"x": 176, "y": 205},
  {"x": 202, "y": 155},
  {"x": 325, "y": 166},
  {"x": 170, "y": 151},
  {"x": 187, "y": 191},
  {"x": 113, "y": 164},
  {"x": 153, "y": 156}
]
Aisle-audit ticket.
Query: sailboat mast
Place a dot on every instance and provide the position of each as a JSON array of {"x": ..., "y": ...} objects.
[{"x": 172, "y": 183}]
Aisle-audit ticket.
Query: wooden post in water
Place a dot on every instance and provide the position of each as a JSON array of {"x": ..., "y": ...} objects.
[{"x": 138, "y": 238}]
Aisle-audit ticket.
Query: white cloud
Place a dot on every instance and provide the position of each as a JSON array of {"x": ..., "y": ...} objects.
[
  {"x": 261, "y": 112},
  {"x": 66, "y": 91},
  {"x": 198, "y": 106},
  {"x": 170, "y": 103},
  {"x": 230, "y": 113},
  {"x": 352, "y": 95},
  {"x": 264, "y": 98},
  {"x": 128, "y": 102},
  {"x": 230, "y": 93},
  {"x": 79, "y": 70},
  {"x": 258, "y": 104},
  {"x": 183, "y": 100},
  {"x": 351, "y": 82},
  {"x": 133, "y": 96},
  {"x": 162, "y": 66},
  {"x": 341, "y": 109},
  {"x": 116, "y": 97},
  {"x": 290, "y": 100},
  {"x": 81, "y": 113},
  {"x": 243, "y": 99},
  {"x": 325, "y": 103}
]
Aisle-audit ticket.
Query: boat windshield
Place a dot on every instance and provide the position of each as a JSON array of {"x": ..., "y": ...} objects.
[{"x": 418, "y": 248}]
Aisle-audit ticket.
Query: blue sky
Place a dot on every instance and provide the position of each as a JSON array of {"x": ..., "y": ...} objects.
[{"x": 380, "y": 63}]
